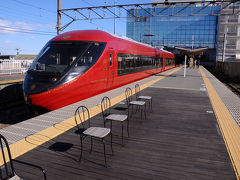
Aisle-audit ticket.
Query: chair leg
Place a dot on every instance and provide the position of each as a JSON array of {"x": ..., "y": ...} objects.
[
  {"x": 81, "y": 149},
  {"x": 91, "y": 144},
  {"x": 111, "y": 125},
  {"x": 151, "y": 104},
  {"x": 145, "y": 112},
  {"x": 104, "y": 152},
  {"x": 132, "y": 110},
  {"x": 128, "y": 127},
  {"x": 111, "y": 136},
  {"x": 122, "y": 133},
  {"x": 111, "y": 143},
  {"x": 137, "y": 108}
]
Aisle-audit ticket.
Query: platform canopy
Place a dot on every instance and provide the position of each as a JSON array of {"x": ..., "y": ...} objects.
[{"x": 190, "y": 51}]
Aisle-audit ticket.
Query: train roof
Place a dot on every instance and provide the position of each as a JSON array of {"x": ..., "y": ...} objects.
[
  {"x": 95, "y": 35},
  {"x": 84, "y": 35}
]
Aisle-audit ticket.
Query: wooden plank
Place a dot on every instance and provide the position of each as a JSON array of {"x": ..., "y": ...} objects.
[{"x": 178, "y": 140}]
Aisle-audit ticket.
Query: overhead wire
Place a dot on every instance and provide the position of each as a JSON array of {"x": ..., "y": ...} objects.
[
  {"x": 3, "y": 29},
  {"x": 100, "y": 26},
  {"x": 25, "y": 29},
  {"x": 10, "y": 29},
  {"x": 27, "y": 15},
  {"x": 88, "y": 3},
  {"x": 9, "y": 18},
  {"x": 20, "y": 11},
  {"x": 10, "y": 23},
  {"x": 2, "y": 49},
  {"x": 30, "y": 5},
  {"x": 109, "y": 3},
  {"x": 28, "y": 22}
]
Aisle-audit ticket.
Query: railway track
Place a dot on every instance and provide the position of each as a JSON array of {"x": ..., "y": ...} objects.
[
  {"x": 235, "y": 88},
  {"x": 13, "y": 108},
  {"x": 232, "y": 84}
]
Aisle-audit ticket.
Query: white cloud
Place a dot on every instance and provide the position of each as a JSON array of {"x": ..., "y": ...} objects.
[
  {"x": 14, "y": 27},
  {"x": 23, "y": 25},
  {"x": 4, "y": 27},
  {"x": 4, "y": 23}
]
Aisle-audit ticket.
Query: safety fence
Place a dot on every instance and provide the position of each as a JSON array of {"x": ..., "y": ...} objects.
[{"x": 14, "y": 66}]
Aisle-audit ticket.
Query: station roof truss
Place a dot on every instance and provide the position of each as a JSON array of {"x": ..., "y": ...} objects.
[
  {"x": 192, "y": 52},
  {"x": 108, "y": 11}
]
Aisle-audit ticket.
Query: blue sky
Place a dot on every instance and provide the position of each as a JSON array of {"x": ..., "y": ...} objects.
[{"x": 28, "y": 25}]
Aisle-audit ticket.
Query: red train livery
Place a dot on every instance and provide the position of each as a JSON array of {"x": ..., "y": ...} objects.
[{"x": 79, "y": 64}]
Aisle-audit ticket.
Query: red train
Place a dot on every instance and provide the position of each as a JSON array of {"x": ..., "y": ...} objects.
[{"x": 79, "y": 64}]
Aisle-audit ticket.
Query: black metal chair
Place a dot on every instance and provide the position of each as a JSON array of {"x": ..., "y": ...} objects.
[
  {"x": 142, "y": 97},
  {"x": 7, "y": 171},
  {"x": 139, "y": 104},
  {"x": 81, "y": 116},
  {"x": 108, "y": 116}
]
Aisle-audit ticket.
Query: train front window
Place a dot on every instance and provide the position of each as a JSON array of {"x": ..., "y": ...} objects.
[
  {"x": 62, "y": 56},
  {"x": 91, "y": 55},
  {"x": 59, "y": 56}
]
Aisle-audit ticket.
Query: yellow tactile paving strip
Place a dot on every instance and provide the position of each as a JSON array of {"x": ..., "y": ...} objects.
[
  {"x": 23, "y": 146},
  {"x": 11, "y": 81},
  {"x": 229, "y": 128}
]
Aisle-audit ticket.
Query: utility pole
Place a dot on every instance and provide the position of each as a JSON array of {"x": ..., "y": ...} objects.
[
  {"x": 115, "y": 11},
  {"x": 185, "y": 64},
  {"x": 58, "y": 17}
]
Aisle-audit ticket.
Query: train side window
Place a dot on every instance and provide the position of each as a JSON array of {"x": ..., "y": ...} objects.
[
  {"x": 130, "y": 63},
  {"x": 110, "y": 59},
  {"x": 120, "y": 65},
  {"x": 161, "y": 62}
]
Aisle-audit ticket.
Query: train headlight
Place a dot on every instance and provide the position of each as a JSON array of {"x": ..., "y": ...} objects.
[{"x": 54, "y": 79}]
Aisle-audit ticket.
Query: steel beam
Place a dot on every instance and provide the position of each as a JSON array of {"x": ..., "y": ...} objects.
[{"x": 143, "y": 6}]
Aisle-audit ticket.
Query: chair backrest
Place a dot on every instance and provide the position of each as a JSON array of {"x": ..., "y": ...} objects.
[
  {"x": 81, "y": 115},
  {"x": 128, "y": 95},
  {"x": 105, "y": 106},
  {"x": 7, "y": 170},
  {"x": 137, "y": 90}
]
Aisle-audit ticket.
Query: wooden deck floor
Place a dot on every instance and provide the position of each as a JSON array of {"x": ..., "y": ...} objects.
[{"x": 178, "y": 140}]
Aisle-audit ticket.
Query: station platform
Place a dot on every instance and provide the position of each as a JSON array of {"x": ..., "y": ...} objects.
[
  {"x": 192, "y": 132},
  {"x": 10, "y": 78},
  {"x": 6, "y": 80}
]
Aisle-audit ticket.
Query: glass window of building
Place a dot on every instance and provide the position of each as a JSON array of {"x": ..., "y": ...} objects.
[{"x": 181, "y": 30}]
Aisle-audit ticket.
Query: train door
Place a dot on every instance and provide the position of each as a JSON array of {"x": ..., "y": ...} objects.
[
  {"x": 110, "y": 62},
  {"x": 164, "y": 61},
  {"x": 157, "y": 62}
]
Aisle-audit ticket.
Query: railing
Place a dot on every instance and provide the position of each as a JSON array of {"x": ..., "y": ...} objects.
[{"x": 14, "y": 66}]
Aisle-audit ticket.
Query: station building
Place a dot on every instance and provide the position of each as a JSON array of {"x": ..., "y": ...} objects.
[{"x": 189, "y": 26}]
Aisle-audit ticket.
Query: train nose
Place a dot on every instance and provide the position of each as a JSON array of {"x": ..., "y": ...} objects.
[{"x": 37, "y": 82}]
